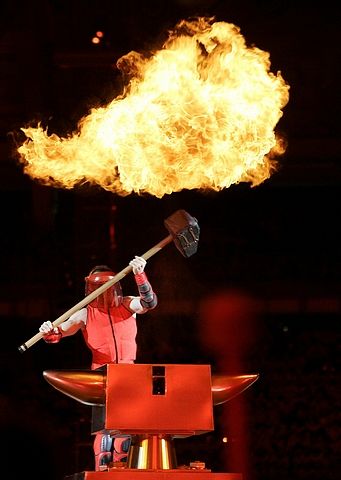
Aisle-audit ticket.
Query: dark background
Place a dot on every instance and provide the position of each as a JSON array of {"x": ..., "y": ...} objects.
[{"x": 272, "y": 251}]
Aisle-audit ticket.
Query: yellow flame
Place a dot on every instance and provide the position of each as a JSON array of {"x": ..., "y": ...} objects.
[{"x": 200, "y": 113}]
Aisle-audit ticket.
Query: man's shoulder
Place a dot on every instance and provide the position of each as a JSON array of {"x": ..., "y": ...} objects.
[
  {"x": 79, "y": 315},
  {"x": 126, "y": 301}
]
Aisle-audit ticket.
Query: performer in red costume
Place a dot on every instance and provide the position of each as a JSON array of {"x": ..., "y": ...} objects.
[{"x": 108, "y": 325}]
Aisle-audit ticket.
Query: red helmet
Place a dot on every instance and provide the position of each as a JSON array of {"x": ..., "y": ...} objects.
[{"x": 112, "y": 297}]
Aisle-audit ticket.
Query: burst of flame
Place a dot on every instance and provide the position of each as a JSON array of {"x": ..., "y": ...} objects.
[{"x": 200, "y": 113}]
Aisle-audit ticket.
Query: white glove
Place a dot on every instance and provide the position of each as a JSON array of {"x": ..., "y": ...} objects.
[
  {"x": 47, "y": 328},
  {"x": 138, "y": 264}
]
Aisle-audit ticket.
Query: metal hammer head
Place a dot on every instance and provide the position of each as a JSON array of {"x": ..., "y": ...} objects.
[{"x": 185, "y": 232}]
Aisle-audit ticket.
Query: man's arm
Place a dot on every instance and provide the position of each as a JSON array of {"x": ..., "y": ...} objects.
[
  {"x": 147, "y": 299},
  {"x": 69, "y": 327}
]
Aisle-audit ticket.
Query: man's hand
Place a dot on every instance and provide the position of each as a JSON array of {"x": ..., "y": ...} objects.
[
  {"x": 138, "y": 264},
  {"x": 50, "y": 333},
  {"x": 46, "y": 328}
]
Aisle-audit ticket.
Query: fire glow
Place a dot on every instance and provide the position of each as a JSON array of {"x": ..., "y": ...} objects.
[{"x": 200, "y": 113}]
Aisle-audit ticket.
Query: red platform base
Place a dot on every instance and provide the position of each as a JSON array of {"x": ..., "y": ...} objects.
[{"x": 135, "y": 474}]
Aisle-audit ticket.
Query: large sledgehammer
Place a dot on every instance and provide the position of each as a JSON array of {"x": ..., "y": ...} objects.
[{"x": 183, "y": 230}]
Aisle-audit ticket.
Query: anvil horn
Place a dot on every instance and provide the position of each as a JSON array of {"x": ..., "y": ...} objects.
[
  {"x": 88, "y": 386},
  {"x": 225, "y": 387}
]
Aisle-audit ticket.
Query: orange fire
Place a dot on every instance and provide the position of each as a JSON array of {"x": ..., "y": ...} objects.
[{"x": 199, "y": 113}]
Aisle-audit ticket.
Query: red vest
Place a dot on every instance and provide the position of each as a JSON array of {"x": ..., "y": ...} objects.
[{"x": 101, "y": 337}]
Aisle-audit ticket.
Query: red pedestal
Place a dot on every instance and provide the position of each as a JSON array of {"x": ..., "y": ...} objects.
[{"x": 134, "y": 474}]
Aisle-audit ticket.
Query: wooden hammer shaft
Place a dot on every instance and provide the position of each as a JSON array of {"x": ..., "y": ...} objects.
[{"x": 152, "y": 251}]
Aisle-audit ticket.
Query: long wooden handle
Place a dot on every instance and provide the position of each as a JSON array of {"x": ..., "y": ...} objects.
[{"x": 152, "y": 251}]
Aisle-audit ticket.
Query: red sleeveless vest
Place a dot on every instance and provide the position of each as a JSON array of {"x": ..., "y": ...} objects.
[{"x": 101, "y": 337}]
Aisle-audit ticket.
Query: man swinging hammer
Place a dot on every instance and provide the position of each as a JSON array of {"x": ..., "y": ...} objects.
[{"x": 108, "y": 325}]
